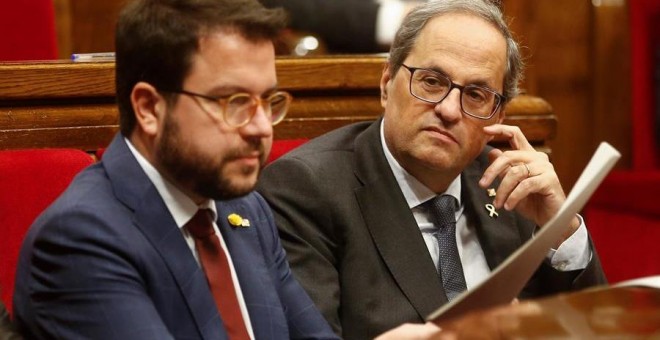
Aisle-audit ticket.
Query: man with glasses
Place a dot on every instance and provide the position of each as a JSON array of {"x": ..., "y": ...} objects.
[
  {"x": 384, "y": 222},
  {"x": 165, "y": 237}
]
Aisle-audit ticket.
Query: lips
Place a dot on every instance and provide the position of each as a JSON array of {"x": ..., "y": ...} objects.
[
  {"x": 438, "y": 131},
  {"x": 247, "y": 153},
  {"x": 248, "y": 157}
]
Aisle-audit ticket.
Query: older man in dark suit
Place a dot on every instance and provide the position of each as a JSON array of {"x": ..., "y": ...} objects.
[{"x": 384, "y": 222}]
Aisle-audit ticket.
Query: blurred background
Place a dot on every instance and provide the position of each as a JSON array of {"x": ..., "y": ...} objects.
[{"x": 578, "y": 55}]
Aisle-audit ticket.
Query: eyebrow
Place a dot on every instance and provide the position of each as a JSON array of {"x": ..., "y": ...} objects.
[
  {"x": 480, "y": 83},
  {"x": 223, "y": 90}
]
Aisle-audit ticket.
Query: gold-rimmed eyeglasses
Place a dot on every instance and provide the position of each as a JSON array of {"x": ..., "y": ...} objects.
[
  {"x": 238, "y": 109},
  {"x": 433, "y": 87}
]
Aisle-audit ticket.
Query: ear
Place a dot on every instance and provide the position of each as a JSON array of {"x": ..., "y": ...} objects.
[
  {"x": 384, "y": 84},
  {"x": 501, "y": 114},
  {"x": 149, "y": 107}
]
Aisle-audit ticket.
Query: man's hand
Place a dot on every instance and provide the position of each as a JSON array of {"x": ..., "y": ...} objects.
[
  {"x": 412, "y": 331},
  {"x": 529, "y": 183}
]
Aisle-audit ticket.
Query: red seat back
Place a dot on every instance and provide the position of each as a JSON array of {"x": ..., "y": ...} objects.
[
  {"x": 623, "y": 216},
  {"x": 282, "y": 146},
  {"x": 30, "y": 180},
  {"x": 28, "y": 30}
]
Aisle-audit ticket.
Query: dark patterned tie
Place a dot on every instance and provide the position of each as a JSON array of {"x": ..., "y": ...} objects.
[
  {"x": 442, "y": 210},
  {"x": 216, "y": 267}
]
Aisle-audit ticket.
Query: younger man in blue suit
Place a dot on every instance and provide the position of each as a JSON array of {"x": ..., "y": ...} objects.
[{"x": 113, "y": 257}]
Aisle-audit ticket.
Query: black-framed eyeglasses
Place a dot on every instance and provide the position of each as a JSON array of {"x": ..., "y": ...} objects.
[
  {"x": 238, "y": 109},
  {"x": 433, "y": 87}
]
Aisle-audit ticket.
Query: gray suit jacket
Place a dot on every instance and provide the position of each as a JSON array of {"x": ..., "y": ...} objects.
[{"x": 354, "y": 245}]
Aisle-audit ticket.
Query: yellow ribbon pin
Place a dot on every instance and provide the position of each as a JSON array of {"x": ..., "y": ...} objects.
[{"x": 237, "y": 221}]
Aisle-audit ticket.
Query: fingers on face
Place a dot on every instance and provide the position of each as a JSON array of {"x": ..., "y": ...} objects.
[{"x": 513, "y": 134}]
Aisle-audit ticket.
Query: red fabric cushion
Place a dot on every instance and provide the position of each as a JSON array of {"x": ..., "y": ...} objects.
[
  {"x": 27, "y": 29},
  {"x": 623, "y": 218},
  {"x": 627, "y": 243},
  {"x": 644, "y": 17},
  {"x": 30, "y": 181},
  {"x": 632, "y": 192},
  {"x": 99, "y": 153},
  {"x": 280, "y": 147}
]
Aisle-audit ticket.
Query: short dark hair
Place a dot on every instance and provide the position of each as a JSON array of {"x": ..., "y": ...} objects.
[
  {"x": 488, "y": 10},
  {"x": 156, "y": 39}
]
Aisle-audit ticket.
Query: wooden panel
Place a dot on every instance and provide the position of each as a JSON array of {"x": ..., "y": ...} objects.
[
  {"x": 577, "y": 54},
  {"x": 44, "y": 117},
  {"x": 58, "y": 79},
  {"x": 63, "y": 22},
  {"x": 555, "y": 36},
  {"x": 612, "y": 78},
  {"x": 321, "y": 73},
  {"x": 93, "y": 25},
  {"x": 67, "y": 104}
]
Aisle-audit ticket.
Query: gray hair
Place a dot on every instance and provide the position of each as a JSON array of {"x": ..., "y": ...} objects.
[{"x": 415, "y": 21}]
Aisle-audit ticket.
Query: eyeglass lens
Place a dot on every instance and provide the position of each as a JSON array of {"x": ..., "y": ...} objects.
[
  {"x": 434, "y": 87},
  {"x": 241, "y": 107}
]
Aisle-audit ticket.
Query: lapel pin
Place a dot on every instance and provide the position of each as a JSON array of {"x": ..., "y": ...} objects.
[
  {"x": 237, "y": 221},
  {"x": 491, "y": 193},
  {"x": 491, "y": 211}
]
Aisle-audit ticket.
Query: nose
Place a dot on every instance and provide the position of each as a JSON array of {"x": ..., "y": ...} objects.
[
  {"x": 449, "y": 109},
  {"x": 260, "y": 125}
]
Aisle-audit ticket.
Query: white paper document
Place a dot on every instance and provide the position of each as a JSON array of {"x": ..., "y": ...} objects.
[
  {"x": 648, "y": 281},
  {"x": 508, "y": 279}
]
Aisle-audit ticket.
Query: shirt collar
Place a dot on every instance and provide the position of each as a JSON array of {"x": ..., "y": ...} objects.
[
  {"x": 180, "y": 206},
  {"x": 413, "y": 190}
]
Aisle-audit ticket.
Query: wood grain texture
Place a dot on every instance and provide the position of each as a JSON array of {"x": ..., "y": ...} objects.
[{"x": 68, "y": 104}]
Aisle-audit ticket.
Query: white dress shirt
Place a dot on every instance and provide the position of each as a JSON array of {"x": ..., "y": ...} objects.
[
  {"x": 573, "y": 254},
  {"x": 183, "y": 209}
]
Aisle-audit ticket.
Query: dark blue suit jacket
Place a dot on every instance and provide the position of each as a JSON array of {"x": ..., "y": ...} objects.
[{"x": 107, "y": 261}]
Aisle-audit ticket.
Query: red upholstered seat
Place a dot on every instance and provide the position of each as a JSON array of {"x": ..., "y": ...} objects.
[
  {"x": 623, "y": 218},
  {"x": 623, "y": 215},
  {"x": 29, "y": 181},
  {"x": 27, "y": 29},
  {"x": 282, "y": 146}
]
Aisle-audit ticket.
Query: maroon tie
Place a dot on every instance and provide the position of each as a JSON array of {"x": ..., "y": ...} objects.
[{"x": 216, "y": 267}]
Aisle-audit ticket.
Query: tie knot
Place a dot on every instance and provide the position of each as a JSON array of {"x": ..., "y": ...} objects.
[
  {"x": 201, "y": 225},
  {"x": 442, "y": 209}
]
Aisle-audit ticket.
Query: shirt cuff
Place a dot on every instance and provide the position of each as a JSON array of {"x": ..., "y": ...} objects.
[
  {"x": 574, "y": 253},
  {"x": 390, "y": 16}
]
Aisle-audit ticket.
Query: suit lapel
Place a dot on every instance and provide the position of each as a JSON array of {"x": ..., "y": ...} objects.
[
  {"x": 498, "y": 236},
  {"x": 392, "y": 226},
  {"x": 246, "y": 255},
  {"x": 134, "y": 188}
]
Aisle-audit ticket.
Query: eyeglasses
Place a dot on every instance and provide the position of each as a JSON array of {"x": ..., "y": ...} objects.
[
  {"x": 433, "y": 87},
  {"x": 238, "y": 109}
]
